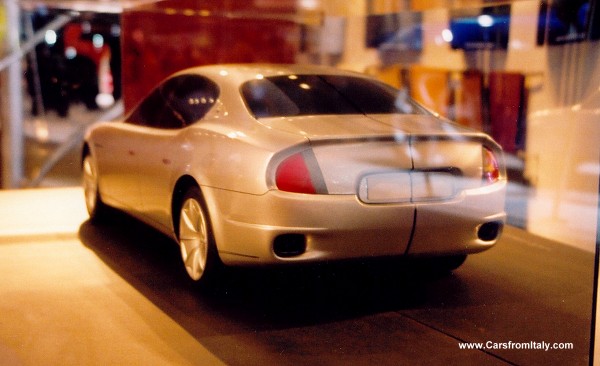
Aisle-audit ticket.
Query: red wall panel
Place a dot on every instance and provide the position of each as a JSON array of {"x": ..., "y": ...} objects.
[
  {"x": 469, "y": 100},
  {"x": 506, "y": 104},
  {"x": 168, "y": 36}
]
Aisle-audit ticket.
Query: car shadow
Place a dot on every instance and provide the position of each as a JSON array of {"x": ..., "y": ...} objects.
[{"x": 264, "y": 298}]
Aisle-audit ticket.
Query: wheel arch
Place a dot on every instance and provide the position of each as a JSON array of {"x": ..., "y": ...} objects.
[{"x": 184, "y": 183}]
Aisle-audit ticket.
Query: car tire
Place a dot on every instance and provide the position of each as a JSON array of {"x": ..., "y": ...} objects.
[
  {"x": 196, "y": 241},
  {"x": 96, "y": 208},
  {"x": 437, "y": 266},
  {"x": 448, "y": 263}
]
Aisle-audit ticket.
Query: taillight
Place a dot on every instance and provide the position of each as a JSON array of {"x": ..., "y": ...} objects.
[
  {"x": 491, "y": 169},
  {"x": 300, "y": 173}
]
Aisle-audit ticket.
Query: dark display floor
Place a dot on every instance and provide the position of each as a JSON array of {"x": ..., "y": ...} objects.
[{"x": 74, "y": 293}]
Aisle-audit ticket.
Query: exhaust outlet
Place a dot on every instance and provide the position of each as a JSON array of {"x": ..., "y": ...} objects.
[
  {"x": 490, "y": 231},
  {"x": 289, "y": 245}
]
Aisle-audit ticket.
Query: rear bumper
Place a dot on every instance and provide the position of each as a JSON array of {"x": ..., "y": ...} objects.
[
  {"x": 455, "y": 227},
  {"x": 336, "y": 227}
]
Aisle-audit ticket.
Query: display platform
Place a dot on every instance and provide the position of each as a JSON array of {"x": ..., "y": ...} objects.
[
  {"x": 60, "y": 304},
  {"x": 73, "y": 293}
]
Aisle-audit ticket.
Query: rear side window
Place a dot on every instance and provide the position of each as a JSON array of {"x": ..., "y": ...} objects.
[
  {"x": 177, "y": 103},
  {"x": 298, "y": 95}
]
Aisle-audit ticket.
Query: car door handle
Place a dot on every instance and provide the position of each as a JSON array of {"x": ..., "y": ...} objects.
[
  {"x": 131, "y": 152},
  {"x": 166, "y": 161}
]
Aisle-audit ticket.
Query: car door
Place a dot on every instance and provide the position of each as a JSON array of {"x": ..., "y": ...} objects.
[
  {"x": 160, "y": 147},
  {"x": 155, "y": 160},
  {"x": 114, "y": 152},
  {"x": 121, "y": 156}
]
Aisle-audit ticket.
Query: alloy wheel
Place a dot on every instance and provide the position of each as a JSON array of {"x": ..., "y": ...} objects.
[
  {"x": 193, "y": 238},
  {"x": 90, "y": 184}
]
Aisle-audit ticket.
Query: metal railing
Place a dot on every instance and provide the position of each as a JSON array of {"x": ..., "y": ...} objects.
[
  {"x": 74, "y": 139},
  {"x": 12, "y": 128},
  {"x": 12, "y": 145}
]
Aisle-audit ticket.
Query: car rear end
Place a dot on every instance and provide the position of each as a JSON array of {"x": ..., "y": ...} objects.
[
  {"x": 454, "y": 184},
  {"x": 376, "y": 176},
  {"x": 368, "y": 197}
]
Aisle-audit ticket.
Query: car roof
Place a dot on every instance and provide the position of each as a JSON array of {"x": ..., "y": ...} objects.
[
  {"x": 230, "y": 77},
  {"x": 243, "y": 72}
]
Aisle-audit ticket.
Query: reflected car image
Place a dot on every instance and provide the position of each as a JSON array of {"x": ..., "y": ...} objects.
[{"x": 279, "y": 164}]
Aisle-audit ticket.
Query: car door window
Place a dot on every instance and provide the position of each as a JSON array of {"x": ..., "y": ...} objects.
[
  {"x": 177, "y": 103},
  {"x": 154, "y": 112}
]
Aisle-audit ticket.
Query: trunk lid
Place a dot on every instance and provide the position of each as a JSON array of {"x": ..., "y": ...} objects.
[
  {"x": 321, "y": 127},
  {"x": 390, "y": 158}
]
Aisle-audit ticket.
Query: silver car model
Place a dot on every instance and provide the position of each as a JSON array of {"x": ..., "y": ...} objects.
[{"x": 270, "y": 164}]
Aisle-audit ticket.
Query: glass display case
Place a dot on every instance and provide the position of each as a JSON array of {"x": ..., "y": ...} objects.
[{"x": 524, "y": 72}]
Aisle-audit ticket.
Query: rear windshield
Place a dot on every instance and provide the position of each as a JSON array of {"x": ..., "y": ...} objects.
[{"x": 301, "y": 95}]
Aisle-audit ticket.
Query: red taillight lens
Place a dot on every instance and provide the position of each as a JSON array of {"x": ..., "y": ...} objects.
[
  {"x": 491, "y": 169},
  {"x": 294, "y": 175}
]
